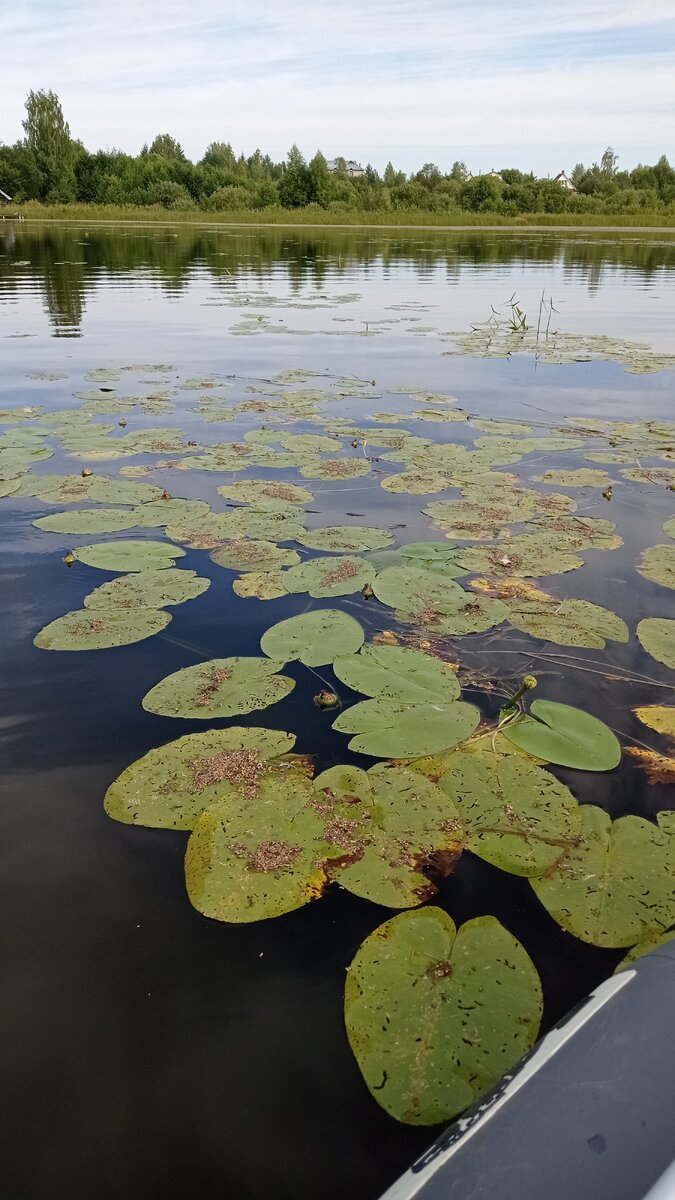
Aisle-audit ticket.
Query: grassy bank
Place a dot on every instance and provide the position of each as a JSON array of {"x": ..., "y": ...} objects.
[{"x": 401, "y": 218}]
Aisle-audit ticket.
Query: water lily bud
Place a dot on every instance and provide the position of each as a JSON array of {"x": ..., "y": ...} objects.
[
  {"x": 86, "y": 472},
  {"x": 529, "y": 682},
  {"x": 69, "y": 559},
  {"x": 122, "y": 422},
  {"x": 326, "y": 699}
]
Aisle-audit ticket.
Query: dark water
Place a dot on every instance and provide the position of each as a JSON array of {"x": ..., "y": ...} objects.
[{"x": 149, "y": 1052}]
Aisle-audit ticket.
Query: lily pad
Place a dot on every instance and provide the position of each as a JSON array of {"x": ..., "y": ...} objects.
[
  {"x": 335, "y": 468},
  {"x": 118, "y": 491},
  {"x": 223, "y": 687},
  {"x": 390, "y": 832},
  {"x": 261, "y": 585},
  {"x": 434, "y": 602},
  {"x": 175, "y": 511},
  {"x": 516, "y": 815},
  {"x": 435, "y": 1015},
  {"x": 526, "y": 554},
  {"x": 248, "y": 554},
  {"x": 657, "y": 636},
  {"x": 147, "y": 589},
  {"x": 326, "y": 577},
  {"x": 252, "y": 859},
  {"x": 398, "y": 673},
  {"x": 669, "y": 527},
  {"x": 415, "y": 483},
  {"x": 582, "y": 477},
  {"x": 258, "y": 491},
  {"x": 87, "y": 630},
  {"x": 346, "y": 539},
  {"x": 564, "y": 735},
  {"x": 88, "y": 520},
  {"x": 134, "y": 554},
  {"x": 658, "y": 564},
  {"x": 315, "y": 638},
  {"x": 386, "y": 728},
  {"x": 653, "y": 942},
  {"x": 312, "y": 443},
  {"x": 170, "y": 786},
  {"x": 615, "y": 886},
  {"x": 660, "y": 717},
  {"x": 568, "y": 622}
]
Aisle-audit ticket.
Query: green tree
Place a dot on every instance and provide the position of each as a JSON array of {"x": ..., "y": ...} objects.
[
  {"x": 296, "y": 186},
  {"x": 164, "y": 146},
  {"x": 54, "y": 153},
  {"x": 322, "y": 190},
  {"x": 608, "y": 162},
  {"x": 219, "y": 154}
]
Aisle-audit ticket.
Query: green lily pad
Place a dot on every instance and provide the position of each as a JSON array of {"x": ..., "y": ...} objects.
[
  {"x": 118, "y": 491},
  {"x": 311, "y": 443},
  {"x": 87, "y": 630},
  {"x": 434, "y": 602},
  {"x": 223, "y": 687},
  {"x": 568, "y": 622},
  {"x": 335, "y": 468},
  {"x": 248, "y": 554},
  {"x": 9, "y": 486},
  {"x": 88, "y": 520},
  {"x": 157, "y": 513},
  {"x": 524, "y": 555},
  {"x": 615, "y": 885},
  {"x": 251, "y": 860},
  {"x": 269, "y": 525},
  {"x": 658, "y": 564},
  {"x": 261, "y": 585},
  {"x": 564, "y": 735},
  {"x": 147, "y": 589},
  {"x": 326, "y": 577},
  {"x": 389, "y": 830},
  {"x": 657, "y": 636},
  {"x": 415, "y": 483},
  {"x": 386, "y": 728},
  {"x": 652, "y": 942},
  {"x": 582, "y": 477},
  {"x": 134, "y": 554},
  {"x": 346, "y": 539},
  {"x": 170, "y": 786},
  {"x": 260, "y": 491},
  {"x": 398, "y": 673},
  {"x": 669, "y": 527},
  {"x": 517, "y": 816},
  {"x": 315, "y": 638},
  {"x": 435, "y": 1015}
]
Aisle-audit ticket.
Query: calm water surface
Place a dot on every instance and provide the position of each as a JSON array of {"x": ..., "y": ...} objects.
[{"x": 150, "y": 1052}]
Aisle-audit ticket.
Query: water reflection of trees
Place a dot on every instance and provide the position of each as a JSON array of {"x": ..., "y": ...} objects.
[{"x": 67, "y": 271}]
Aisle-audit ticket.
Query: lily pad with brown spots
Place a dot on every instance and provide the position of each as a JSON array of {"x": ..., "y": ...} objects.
[{"x": 223, "y": 687}]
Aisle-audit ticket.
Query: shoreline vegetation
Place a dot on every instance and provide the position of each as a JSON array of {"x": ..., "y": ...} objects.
[
  {"x": 313, "y": 215},
  {"x": 49, "y": 173}
]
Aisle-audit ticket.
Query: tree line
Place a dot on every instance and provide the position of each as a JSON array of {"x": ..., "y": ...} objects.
[{"x": 48, "y": 165}]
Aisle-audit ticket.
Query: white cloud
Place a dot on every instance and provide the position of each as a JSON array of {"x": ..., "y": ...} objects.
[{"x": 350, "y": 77}]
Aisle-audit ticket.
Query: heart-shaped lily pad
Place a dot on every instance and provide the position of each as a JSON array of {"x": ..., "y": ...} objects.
[
  {"x": 658, "y": 564},
  {"x": 398, "y": 673},
  {"x": 564, "y": 735},
  {"x": 88, "y": 520},
  {"x": 134, "y": 554},
  {"x": 568, "y": 622},
  {"x": 223, "y": 687},
  {"x": 436, "y": 1015},
  {"x": 657, "y": 636},
  {"x": 119, "y": 491},
  {"x": 346, "y": 539},
  {"x": 85, "y": 629},
  {"x": 415, "y": 483},
  {"x": 615, "y": 885},
  {"x": 250, "y": 554},
  {"x": 433, "y": 601},
  {"x": 261, "y": 585},
  {"x": 326, "y": 577},
  {"x": 316, "y": 638},
  {"x": 387, "y": 728},
  {"x": 147, "y": 589},
  {"x": 260, "y": 491},
  {"x": 516, "y": 815},
  {"x": 334, "y": 468},
  {"x": 170, "y": 786}
]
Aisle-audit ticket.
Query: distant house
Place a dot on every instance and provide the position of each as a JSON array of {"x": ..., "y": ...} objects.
[
  {"x": 4, "y": 198},
  {"x": 495, "y": 175},
  {"x": 565, "y": 182},
  {"x": 351, "y": 168}
]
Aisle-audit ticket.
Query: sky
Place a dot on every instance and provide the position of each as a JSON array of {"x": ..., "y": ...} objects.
[{"x": 526, "y": 83}]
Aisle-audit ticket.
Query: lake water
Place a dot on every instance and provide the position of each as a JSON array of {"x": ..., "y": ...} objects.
[{"x": 151, "y": 1052}]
